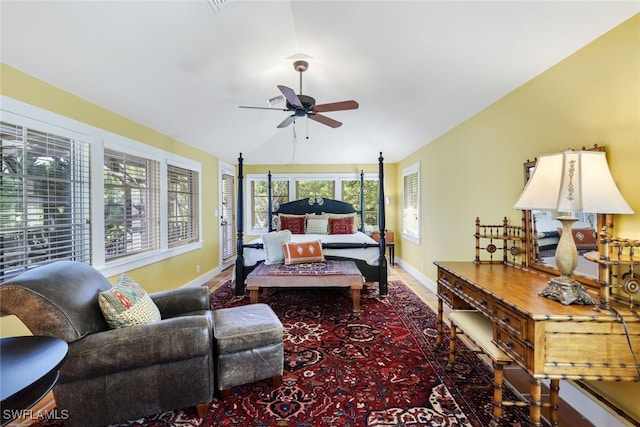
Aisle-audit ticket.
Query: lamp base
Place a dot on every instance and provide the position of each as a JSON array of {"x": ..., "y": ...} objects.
[{"x": 567, "y": 291}]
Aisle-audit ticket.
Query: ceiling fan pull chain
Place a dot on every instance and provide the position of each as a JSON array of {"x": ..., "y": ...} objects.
[{"x": 295, "y": 139}]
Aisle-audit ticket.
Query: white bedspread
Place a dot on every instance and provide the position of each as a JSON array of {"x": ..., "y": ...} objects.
[{"x": 370, "y": 255}]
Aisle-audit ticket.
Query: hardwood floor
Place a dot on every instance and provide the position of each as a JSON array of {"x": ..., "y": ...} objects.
[{"x": 516, "y": 377}]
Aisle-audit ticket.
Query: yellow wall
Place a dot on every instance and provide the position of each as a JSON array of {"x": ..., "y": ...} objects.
[
  {"x": 167, "y": 274},
  {"x": 475, "y": 169},
  {"x": 591, "y": 97}
]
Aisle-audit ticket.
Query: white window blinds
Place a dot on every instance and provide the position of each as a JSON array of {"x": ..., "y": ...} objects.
[
  {"x": 131, "y": 204},
  {"x": 411, "y": 201},
  {"x": 183, "y": 210},
  {"x": 44, "y": 199}
]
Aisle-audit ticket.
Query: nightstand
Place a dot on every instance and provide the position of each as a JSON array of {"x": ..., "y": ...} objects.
[{"x": 389, "y": 242}]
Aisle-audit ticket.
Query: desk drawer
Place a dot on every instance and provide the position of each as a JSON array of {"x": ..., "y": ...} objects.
[
  {"x": 512, "y": 321},
  {"x": 452, "y": 288},
  {"x": 513, "y": 347}
]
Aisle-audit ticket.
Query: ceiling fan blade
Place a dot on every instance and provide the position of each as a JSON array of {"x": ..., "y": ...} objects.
[
  {"x": 291, "y": 96},
  {"x": 336, "y": 106},
  {"x": 286, "y": 122},
  {"x": 325, "y": 120},
  {"x": 263, "y": 108}
]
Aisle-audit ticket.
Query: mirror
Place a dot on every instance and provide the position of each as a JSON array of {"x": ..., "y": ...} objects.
[{"x": 542, "y": 232}]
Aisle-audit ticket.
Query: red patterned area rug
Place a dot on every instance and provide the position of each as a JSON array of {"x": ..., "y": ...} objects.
[{"x": 379, "y": 369}]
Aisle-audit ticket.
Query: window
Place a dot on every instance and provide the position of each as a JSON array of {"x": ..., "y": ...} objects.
[
  {"x": 411, "y": 203},
  {"x": 44, "y": 199},
  {"x": 315, "y": 188},
  {"x": 75, "y": 192},
  {"x": 183, "y": 205},
  {"x": 289, "y": 187},
  {"x": 131, "y": 204},
  {"x": 351, "y": 194},
  {"x": 260, "y": 200}
]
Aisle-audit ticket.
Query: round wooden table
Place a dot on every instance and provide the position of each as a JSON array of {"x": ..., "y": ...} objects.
[{"x": 28, "y": 371}]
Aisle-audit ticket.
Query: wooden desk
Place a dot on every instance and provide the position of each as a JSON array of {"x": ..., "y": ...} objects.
[{"x": 547, "y": 339}]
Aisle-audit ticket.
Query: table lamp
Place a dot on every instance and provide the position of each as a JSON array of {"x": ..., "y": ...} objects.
[{"x": 571, "y": 181}]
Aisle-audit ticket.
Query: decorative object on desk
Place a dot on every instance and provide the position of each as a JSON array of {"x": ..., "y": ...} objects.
[
  {"x": 492, "y": 238},
  {"x": 571, "y": 181},
  {"x": 618, "y": 259}
]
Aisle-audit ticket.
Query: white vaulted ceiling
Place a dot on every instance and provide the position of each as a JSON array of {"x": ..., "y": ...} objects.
[{"x": 417, "y": 68}]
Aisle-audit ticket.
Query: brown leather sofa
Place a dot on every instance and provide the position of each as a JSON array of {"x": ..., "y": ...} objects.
[{"x": 115, "y": 375}]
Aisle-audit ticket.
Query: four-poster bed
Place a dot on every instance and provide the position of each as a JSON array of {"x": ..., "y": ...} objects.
[{"x": 337, "y": 244}]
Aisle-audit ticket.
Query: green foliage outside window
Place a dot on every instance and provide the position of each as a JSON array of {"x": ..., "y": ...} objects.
[
  {"x": 260, "y": 192},
  {"x": 351, "y": 194}
]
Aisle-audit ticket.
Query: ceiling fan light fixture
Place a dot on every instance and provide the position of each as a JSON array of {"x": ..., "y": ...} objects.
[{"x": 300, "y": 66}]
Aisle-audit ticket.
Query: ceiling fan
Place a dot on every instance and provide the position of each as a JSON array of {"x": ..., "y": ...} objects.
[{"x": 303, "y": 105}]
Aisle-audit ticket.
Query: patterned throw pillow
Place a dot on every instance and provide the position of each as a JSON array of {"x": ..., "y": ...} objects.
[
  {"x": 300, "y": 252},
  {"x": 294, "y": 223},
  {"x": 344, "y": 225},
  {"x": 127, "y": 304},
  {"x": 354, "y": 216}
]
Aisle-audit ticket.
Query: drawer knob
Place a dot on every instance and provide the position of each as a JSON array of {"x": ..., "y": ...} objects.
[
  {"x": 509, "y": 344},
  {"x": 483, "y": 303},
  {"x": 505, "y": 319}
]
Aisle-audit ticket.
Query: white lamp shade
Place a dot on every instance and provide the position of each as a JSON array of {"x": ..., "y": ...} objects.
[{"x": 573, "y": 181}]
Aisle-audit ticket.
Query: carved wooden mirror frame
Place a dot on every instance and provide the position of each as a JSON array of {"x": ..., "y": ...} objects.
[{"x": 533, "y": 260}]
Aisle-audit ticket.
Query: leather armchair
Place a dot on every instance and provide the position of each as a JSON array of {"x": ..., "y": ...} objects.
[{"x": 115, "y": 375}]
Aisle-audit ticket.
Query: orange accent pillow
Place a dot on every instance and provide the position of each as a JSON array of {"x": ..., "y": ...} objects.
[
  {"x": 300, "y": 252},
  {"x": 342, "y": 225}
]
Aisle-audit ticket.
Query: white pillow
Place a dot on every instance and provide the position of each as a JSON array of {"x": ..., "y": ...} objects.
[
  {"x": 317, "y": 225},
  {"x": 272, "y": 243}
]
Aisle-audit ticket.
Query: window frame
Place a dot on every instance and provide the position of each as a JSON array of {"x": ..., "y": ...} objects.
[
  {"x": 79, "y": 209},
  {"x": 23, "y": 114},
  {"x": 407, "y": 233},
  {"x": 293, "y": 180}
]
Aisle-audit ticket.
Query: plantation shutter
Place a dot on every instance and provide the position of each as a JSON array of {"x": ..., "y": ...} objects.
[
  {"x": 411, "y": 204},
  {"x": 228, "y": 246}
]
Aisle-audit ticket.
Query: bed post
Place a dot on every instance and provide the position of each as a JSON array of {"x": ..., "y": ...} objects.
[
  {"x": 270, "y": 207},
  {"x": 382, "y": 260},
  {"x": 240, "y": 224},
  {"x": 361, "y": 200}
]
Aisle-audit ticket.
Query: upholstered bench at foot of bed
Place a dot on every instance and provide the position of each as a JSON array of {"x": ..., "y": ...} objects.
[
  {"x": 349, "y": 277},
  {"x": 249, "y": 346}
]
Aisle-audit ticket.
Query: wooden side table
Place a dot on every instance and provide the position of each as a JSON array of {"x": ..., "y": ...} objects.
[{"x": 28, "y": 371}]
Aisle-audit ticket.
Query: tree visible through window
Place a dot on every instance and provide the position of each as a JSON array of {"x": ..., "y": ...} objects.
[
  {"x": 44, "y": 199},
  {"x": 183, "y": 212},
  {"x": 315, "y": 188},
  {"x": 260, "y": 199},
  {"x": 131, "y": 204},
  {"x": 351, "y": 194}
]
